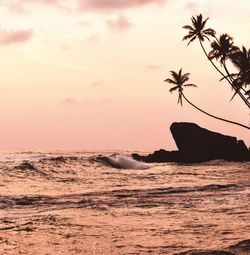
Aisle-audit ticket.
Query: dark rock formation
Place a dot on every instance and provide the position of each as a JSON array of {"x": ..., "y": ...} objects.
[
  {"x": 158, "y": 156},
  {"x": 196, "y": 144}
]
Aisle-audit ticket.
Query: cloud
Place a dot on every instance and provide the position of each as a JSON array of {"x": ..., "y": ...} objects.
[
  {"x": 70, "y": 101},
  {"x": 19, "y": 6},
  {"x": 192, "y": 6},
  {"x": 17, "y": 9},
  {"x": 44, "y": 2},
  {"x": 22, "y": 6},
  {"x": 113, "y": 5},
  {"x": 120, "y": 24},
  {"x": 96, "y": 84},
  {"x": 12, "y": 37}
]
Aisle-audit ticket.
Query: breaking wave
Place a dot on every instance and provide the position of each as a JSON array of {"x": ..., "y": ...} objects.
[{"x": 121, "y": 162}]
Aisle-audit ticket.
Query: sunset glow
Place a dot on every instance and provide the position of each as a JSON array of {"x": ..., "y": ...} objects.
[{"x": 83, "y": 74}]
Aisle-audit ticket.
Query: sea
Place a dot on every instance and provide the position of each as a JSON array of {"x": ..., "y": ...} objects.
[{"x": 107, "y": 203}]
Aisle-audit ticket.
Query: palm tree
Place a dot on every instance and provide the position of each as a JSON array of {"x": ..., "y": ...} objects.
[
  {"x": 197, "y": 31},
  {"x": 241, "y": 60},
  {"x": 179, "y": 81},
  {"x": 223, "y": 49}
]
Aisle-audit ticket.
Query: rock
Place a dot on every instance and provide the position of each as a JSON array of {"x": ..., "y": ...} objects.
[
  {"x": 199, "y": 144},
  {"x": 158, "y": 156},
  {"x": 196, "y": 144}
]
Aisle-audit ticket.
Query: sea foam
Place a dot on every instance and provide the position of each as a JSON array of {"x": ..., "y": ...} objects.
[{"x": 121, "y": 162}]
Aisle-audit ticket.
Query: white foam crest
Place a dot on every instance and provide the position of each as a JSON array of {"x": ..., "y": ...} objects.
[{"x": 125, "y": 162}]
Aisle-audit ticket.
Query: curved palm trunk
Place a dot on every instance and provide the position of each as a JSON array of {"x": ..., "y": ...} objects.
[
  {"x": 211, "y": 60},
  {"x": 236, "y": 90},
  {"x": 229, "y": 81},
  {"x": 213, "y": 116}
]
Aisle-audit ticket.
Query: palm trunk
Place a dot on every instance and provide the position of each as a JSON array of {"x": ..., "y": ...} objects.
[
  {"x": 225, "y": 77},
  {"x": 213, "y": 116},
  {"x": 213, "y": 62},
  {"x": 236, "y": 90}
]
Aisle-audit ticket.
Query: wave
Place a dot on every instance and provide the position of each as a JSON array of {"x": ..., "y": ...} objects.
[{"x": 120, "y": 162}]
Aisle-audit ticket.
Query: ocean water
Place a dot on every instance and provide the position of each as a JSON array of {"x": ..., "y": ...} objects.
[{"x": 80, "y": 203}]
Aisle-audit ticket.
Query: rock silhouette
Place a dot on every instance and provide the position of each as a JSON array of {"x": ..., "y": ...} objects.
[{"x": 197, "y": 144}]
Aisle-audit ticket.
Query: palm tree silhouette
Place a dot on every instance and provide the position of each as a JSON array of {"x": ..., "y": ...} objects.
[
  {"x": 198, "y": 31},
  {"x": 179, "y": 81},
  {"x": 222, "y": 50},
  {"x": 241, "y": 60}
]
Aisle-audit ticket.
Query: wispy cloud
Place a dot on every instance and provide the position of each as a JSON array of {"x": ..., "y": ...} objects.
[
  {"x": 96, "y": 84},
  {"x": 70, "y": 101},
  {"x": 114, "y": 5},
  {"x": 192, "y": 6},
  {"x": 80, "y": 5},
  {"x": 22, "y": 6},
  {"x": 120, "y": 24},
  {"x": 12, "y": 37}
]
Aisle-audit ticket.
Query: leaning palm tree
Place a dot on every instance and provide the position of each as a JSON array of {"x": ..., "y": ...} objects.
[
  {"x": 241, "y": 60},
  {"x": 197, "y": 31},
  {"x": 179, "y": 81},
  {"x": 222, "y": 50}
]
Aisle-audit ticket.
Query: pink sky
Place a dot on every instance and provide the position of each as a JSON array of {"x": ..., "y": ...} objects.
[{"x": 88, "y": 74}]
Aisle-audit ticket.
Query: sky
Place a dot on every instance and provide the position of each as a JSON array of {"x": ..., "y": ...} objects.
[{"x": 88, "y": 74}]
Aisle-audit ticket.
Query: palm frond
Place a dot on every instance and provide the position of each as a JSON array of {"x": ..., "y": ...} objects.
[
  {"x": 192, "y": 39},
  {"x": 170, "y": 81},
  {"x": 190, "y": 85},
  {"x": 188, "y": 37},
  {"x": 188, "y": 27},
  {"x": 173, "y": 89},
  {"x": 209, "y": 31}
]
